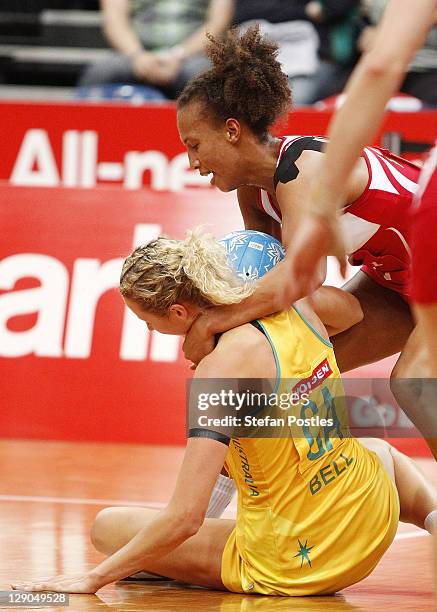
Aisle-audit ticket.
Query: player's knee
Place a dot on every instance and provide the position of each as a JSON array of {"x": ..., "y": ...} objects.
[
  {"x": 383, "y": 450},
  {"x": 390, "y": 450},
  {"x": 405, "y": 390},
  {"x": 377, "y": 445},
  {"x": 101, "y": 529},
  {"x": 400, "y": 371}
]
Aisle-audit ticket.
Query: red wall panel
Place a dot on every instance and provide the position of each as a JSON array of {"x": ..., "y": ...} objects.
[{"x": 71, "y": 365}]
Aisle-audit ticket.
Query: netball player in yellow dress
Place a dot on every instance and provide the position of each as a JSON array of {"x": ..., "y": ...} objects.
[{"x": 316, "y": 510}]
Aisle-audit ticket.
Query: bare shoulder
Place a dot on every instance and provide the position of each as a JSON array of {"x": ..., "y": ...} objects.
[
  {"x": 297, "y": 174},
  {"x": 298, "y": 179},
  {"x": 241, "y": 352},
  {"x": 309, "y": 160},
  {"x": 300, "y": 169}
]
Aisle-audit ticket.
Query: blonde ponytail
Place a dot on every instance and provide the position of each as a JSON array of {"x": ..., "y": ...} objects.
[{"x": 166, "y": 271}]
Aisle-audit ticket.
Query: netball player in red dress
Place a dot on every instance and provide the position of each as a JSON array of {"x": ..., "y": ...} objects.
[
  {"x": 224, "y": 117},
  {"x": 376, "y": 78}
]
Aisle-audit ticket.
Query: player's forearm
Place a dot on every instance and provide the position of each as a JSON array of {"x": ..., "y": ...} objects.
[
  {"x": 270, "y": 296},
  {"x": 223, "y": 318},
  {"x": 159, "y": 538}
]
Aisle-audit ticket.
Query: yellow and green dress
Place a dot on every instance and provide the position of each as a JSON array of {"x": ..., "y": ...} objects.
[{"x": 316, "y": 510}]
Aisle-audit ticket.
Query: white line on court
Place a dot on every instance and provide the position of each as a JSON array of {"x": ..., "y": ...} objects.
[
  {"x": 80, "y": 500},
  {"x": 411, "y": 534},
  {"x": 123, "y": 502}
]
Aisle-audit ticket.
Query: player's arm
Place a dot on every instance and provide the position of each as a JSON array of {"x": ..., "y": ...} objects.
[
  {"x": 185, "y": 513},
  {"x": 376, "y": 78},
  {"x": 202, "y": 463},
  {"x": 337, "y": 309},
  {"x": 181, "y": 519}
]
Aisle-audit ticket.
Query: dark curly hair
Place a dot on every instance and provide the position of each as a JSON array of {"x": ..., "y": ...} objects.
[{"x": 245, "y": 82}]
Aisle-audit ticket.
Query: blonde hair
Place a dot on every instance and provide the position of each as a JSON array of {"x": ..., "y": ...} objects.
[{"x": 165, "y": 272}]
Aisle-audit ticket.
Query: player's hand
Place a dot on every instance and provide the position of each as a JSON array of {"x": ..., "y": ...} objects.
[
  {"x": 81, "y": 583},
  {"x": 314, "y": 239},
  {"x": 199, "y": 342}
]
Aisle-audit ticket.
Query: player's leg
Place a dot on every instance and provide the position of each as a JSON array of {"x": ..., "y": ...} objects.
[
  {"x": 424, "y": 259},
  {"x": 197, "y": 561},
  {"x": 416, "y": 371},
  {"x": 416, "y": 496},
  {"x": 427, "y": 325},
  {"x": 384, "y": 330},
  {"x": 413, "y": 390},
  {"x": 221, "y": 496},
  {"x": 424, "y": 286},
  {"x": 426, "y": 315}
]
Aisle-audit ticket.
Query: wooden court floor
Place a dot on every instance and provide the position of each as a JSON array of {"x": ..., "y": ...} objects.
[{"x": 51, "y": 491}]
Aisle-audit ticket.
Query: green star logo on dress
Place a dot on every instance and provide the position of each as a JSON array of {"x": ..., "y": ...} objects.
[{"x": 304, "y": 552}]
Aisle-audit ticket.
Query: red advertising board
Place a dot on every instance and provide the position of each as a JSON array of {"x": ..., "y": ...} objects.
[
  {"x": 74, "y": 364},
  {"x": 87, "y": 145},
  {"x": 80, "y": 186}
]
